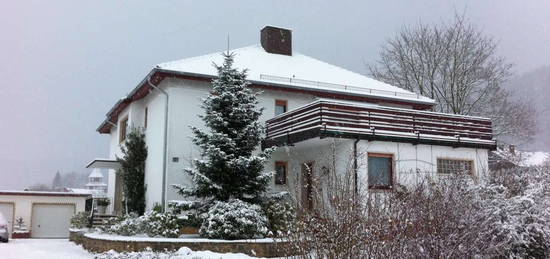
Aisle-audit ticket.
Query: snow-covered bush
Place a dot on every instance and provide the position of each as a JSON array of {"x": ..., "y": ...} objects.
[
  {"x": 80, "y": 219},
  {"x": 152, "y": 224},
  {"x": 280, "y": 213},
  {"x": 161, "y": 224},
  {"x": 234, "y": 219},
  {"x": 182, "y": 253},
  {"x": 455, "y": 217},
  {"x": 189, "y": 213},
  {"x": 128, "y": 225},
  {"x": 516, "y": 214}
]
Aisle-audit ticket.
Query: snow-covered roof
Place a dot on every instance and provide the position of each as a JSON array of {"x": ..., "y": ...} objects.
[
  {"x": 40, "y": 193},
  {"x": 296, "y": 70},
  {"x": 95, "y": 184},
  {"x": 93, "y": 193}
]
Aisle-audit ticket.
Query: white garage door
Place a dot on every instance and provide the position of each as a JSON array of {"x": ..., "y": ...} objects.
[
  {"x": 7, "y": 210},
  {"x": 51, "y": 220}
]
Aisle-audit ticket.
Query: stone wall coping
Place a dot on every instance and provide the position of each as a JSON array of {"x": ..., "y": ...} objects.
[{"x": 188, "y": 239}]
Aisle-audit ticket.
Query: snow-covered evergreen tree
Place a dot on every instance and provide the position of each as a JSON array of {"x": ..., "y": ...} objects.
[
  {"x": 56, "y": 181},
  {"x": 229, "y": 168}
]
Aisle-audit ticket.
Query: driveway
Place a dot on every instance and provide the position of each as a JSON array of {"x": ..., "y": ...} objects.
[{"x": 42, "y": 249}]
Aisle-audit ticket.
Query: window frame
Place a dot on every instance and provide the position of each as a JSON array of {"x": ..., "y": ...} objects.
[
  {"x": 122, "y": 129},
  {"x": 284, "y": 164},
  {"x": 392, "y": 170},
  {"x": 472, "y": 165},
  {"x": 280, "y": 102}
]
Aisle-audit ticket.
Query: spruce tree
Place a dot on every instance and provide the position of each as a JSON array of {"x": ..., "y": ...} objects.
[
  {"x": 132, "y": 170},
  {"x": 229, "y": 168},
  {"x": 56, "y": 184}
]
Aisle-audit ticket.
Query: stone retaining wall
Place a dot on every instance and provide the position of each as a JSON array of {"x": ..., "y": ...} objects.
[{"x": 98, "y": 245}]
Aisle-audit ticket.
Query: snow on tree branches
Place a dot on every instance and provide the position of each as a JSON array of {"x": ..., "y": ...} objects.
[{"x": 229, "y": 169}]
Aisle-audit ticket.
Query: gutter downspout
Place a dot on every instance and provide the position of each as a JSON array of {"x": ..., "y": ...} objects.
[
  {"x": 355, "y": 164},
  {"x": 165, "y": 141}
]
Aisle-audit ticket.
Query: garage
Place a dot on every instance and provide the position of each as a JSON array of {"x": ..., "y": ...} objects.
[
  {"x": 51, "y": 220},
  {"x": 43, "y": 214},
  {"x": 7, "y": 210}
]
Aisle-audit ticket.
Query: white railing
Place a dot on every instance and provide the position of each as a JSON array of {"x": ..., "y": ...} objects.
[{"x": 291, "y": 80}]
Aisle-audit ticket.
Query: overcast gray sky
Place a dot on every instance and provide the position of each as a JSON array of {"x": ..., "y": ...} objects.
[{"x": 65, "y": 63}]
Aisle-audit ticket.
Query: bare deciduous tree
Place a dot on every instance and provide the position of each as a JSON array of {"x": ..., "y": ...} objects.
[{"x": 456, "y": 65}]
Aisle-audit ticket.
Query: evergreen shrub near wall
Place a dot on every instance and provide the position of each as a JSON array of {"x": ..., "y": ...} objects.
[
  {"x": 132, "y": 170},
  {"x": 152, "y": 224},
  {"x": 234, "y": 219},
  {"x": 80, "y": 219}
]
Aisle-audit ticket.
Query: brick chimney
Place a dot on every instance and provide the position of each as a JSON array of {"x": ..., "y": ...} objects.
[{"x": 276, "y": 40}]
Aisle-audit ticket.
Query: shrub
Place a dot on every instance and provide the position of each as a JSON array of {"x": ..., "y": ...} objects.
[
  {"x": 152, "y": 224},
  {"x": 234, "y": 219},
  {"x": 516, "y": 214},
  {"x": 80, "y": 219},
  {"x": 508, "y": 217},
  {"x": 128, "y": 225},
  {"x": 280, "y": 213},
  {"x": 103, "y": 202},
  {"x": 190, "y": 213},
  {"x": 160, "y": 224}
]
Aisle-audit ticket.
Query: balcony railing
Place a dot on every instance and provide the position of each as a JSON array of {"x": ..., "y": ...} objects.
[{"x": 325, "y": 118}]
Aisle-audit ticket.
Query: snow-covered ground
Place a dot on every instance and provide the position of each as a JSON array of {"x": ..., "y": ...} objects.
[
  {"x": 65, "y": 249},
  {"x": 42, "y": 249}
]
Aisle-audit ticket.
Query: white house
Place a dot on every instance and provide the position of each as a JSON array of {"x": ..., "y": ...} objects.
[{"x": 312, "y": 110}]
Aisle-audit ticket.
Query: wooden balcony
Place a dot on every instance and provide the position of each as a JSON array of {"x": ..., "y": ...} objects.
[{"x": 326, "y": 118}]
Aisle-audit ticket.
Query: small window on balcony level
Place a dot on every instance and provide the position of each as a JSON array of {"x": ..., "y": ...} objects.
[
  {"x": 122, "y": 128},
  {"x": 380, "y": 175},
  {"x": 280, "y": 107},
  {"x": 455, "y": 166},
  {"x": 280, "y": 172}
]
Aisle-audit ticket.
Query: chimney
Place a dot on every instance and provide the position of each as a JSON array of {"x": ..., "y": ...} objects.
[{"x": 276, "y": 40}]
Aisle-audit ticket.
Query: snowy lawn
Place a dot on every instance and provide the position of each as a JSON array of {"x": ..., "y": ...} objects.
[{"x": 65, "y": 249}]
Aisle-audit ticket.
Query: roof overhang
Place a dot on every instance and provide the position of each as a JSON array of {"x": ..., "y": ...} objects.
[
  {"x": 103, "y": 163},
  {"x": 156, "y": 75},
  {"x": 37, "y": 193}
]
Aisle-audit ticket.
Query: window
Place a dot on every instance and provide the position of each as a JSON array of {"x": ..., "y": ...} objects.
[
  {"x": 380, "y": 175},
  {"x": 122, "y": 127},
  {"x": 454, "y": 166},
  {"x": 145, "y": 119},
  {"x": 280, "y": 172},
  {"x": 280, "y": 107}
]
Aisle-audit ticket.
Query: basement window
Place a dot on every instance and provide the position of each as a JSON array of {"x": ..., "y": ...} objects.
[
  {"x": 280, "y": 107},
  {"x": 280, "y": 172},
  {"x": 380, "y": 175},
  {"x": 455, "y": 166},
  {"x": 122, "y": 128}
]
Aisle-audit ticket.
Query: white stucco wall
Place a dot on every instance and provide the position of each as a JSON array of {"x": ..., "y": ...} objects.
[
  {"x": 184, "y": 108},
  {"x": 411, "y": 162},
  {"x": 23, "y": 204}
]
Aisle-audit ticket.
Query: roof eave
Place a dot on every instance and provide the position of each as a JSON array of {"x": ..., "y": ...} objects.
[
  {"x": 425, "y": 102},
  {"x": 104, "y": 127}
]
